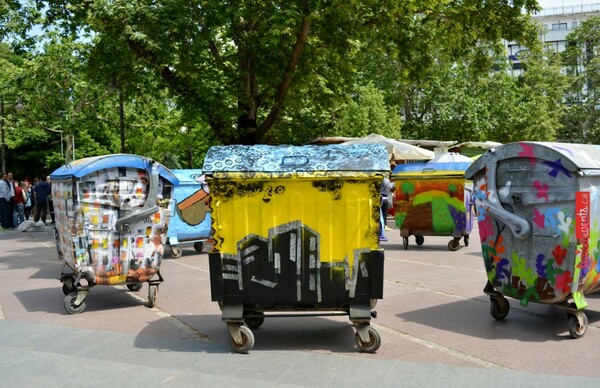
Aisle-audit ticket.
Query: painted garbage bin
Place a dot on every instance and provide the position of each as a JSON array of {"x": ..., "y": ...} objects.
[
  {"x": 295, "y": 230},
  {"x": 190, "y": 214},
  {"x": 112, "y": 213},
  {"x": 537, "y": 209},
  {"x": 433, "y": 199}
]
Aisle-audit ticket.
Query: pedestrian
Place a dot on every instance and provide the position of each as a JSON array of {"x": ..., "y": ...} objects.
[
  {"x": 50, "y": 202},
  {"x": 29, "y": 200},
  {"x": 41, "y": 192},
  {"x": 386, "y": 202},
  {"x": 20, "y": 199},
  {"x": 11, "y": 185},
  {"x": 5, "y": 203}
]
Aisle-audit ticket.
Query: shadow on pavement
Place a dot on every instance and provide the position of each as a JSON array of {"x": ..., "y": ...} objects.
[
  {"x": 536, "y": 323},
  {"x": 276, "y": 334}
]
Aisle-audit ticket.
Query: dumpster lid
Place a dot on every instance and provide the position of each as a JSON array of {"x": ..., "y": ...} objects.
[
  {"x": 571, "y": 157},
  {"x": 82, "y": 167},
  {"x": 189, "y": 176},
  {"x": 432, "y": 167},
  {"x": 285, "y": 158}
]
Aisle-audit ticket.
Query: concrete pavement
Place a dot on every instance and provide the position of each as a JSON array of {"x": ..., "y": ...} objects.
[{"x": 434, "y": 321}]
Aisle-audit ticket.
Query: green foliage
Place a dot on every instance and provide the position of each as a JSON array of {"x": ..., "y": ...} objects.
[{"x": 367, "y": 113}]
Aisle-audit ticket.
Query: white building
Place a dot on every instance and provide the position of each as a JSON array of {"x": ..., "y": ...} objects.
[{"x": 557, "y": 23}]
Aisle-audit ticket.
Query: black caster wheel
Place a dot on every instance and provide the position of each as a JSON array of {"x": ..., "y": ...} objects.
[{"x": 499, "y": 308}]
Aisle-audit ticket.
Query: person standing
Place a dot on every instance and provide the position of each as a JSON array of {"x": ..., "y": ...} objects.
[
  {"x": 11, "y": 185},
  {"x": 20, "y": 198},
  {"x": 5, "y": 203},
  {"x": 29, "y": 200},
  {"x": 41, "y": 192}
]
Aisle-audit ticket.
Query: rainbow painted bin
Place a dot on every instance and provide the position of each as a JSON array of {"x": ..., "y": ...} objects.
[
  {"x": 537, "y": 207},
  {"x": 433, "y": 199},
  {"x": 190, "y": 214},
  {"x": 112, "y": 213},
  {"x": 296, "y": 230}
]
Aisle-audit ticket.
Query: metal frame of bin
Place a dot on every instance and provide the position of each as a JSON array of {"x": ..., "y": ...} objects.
[
  {"x": 296, "y": 231},
  {"x": 190, "y": 215},
  {"x": 433, "y": 199},
  {"x": 538, "y": 224},
  {"x": 123, "y": 199}
]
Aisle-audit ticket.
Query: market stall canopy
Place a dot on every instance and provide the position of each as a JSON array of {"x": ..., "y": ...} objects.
[{"x": 396, "y": 150}]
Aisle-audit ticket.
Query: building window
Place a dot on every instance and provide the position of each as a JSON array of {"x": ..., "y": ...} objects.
[
  {"x": 559, "y": 26},
  {"x": 574, "y": 25}
]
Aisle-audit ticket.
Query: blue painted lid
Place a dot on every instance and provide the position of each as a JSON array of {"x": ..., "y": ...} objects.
[
  {"x": 286, "y": 158},
  {"x": 188, "y": 176},
  {"x": 82, "y": 167},
  {"x": 431, "y": 167}
]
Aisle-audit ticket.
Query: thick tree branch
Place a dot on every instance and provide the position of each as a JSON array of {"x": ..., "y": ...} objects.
[{"x": 282, "y": 90}]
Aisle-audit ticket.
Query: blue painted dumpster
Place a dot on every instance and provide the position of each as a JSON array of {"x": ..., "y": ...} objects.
[
  {"x": 537, "y": 208},
  {"x": 112, "y": 213},
  {"x": 190, "y": 215},
  {"x": 296, "y": 229}
]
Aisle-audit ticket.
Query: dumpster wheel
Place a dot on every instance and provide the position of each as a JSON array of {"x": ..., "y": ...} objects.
[
  {"x": 372, "y": 345},
  {"x": 176, "y": 252},
  {"x": 255, "y": 319},
  {"x": 69, "y": 285},
  {"x": 152, "y": 295},
  {"x": 134, "y": 286},
  {"x": 246, "y": 340},
  {"x": 405, "y": 242},
  {"x": 499, "y": 308},
  {"x": 71, "y": 303},
  {"x": 419, "y": 240},
  {"x": 578, "y": 324},
  {"x": 198, "y": 246},
  {"x": 454, "y": 244}
]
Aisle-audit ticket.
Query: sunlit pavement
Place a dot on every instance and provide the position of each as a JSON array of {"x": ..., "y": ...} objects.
[{"x": 434, "y": 322}]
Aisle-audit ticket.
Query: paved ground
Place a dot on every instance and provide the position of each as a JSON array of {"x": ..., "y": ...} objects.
[{"x": 434, "y": 321}]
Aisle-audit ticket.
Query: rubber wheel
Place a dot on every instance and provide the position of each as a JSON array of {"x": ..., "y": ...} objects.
[
  {"x": 134, "y": 286},
  {"x": 152, "y": 294},
  {"x": 420, "y": 240},
  {"x": 176, "y": 252},
  {"x": 255, "y": 322},
  {"x": 373, "y": 344},
  {"x": 247, "y": 341},
  {"x": 198, "y": 246},
  {"x": 575, "y": 329},
  {"x": 66, "y": 289},
  {"x": 405, "y": 242},
  {"x": 499, "y": 308},
  {"x": 466, "y": 240},
  {"x": 70, "y": 305},
  {"x": 453, "y": 245}
]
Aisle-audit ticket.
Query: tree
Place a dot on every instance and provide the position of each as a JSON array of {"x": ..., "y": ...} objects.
[
  {"x": 237, "y": 66},
  {"x": 582, "y": 60}
]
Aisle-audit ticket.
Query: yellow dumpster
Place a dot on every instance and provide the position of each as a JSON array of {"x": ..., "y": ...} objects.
[{"x": 296, "y": 229}]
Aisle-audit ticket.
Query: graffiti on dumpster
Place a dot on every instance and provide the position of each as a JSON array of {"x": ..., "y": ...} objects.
[
  {"x": 562, "y": 254},
  {"x": 86, "y": 214},
  {"x": 436, "y": 205},
  {"x": 193, "y": 209},
  {"x": 286, "y": 266}
]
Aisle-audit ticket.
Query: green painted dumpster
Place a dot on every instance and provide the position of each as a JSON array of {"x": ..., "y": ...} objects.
[
  {"x": 295, "y": 230},
  {"x": 538, "y": 213}
]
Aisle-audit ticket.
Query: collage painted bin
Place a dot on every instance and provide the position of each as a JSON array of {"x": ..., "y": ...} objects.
[
  {"x": 112, "y": 214},
  {"x": 433, "y": 199},
  {"x": 538, "y": 213},
  {"x": 295, "y": 230},
  {"x": 190, "y": 221}
]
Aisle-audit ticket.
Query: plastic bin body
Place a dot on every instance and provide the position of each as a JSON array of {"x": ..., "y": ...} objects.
[
  {"x": 537, "y": 208},
  {"x": 433, "y": 200},
  {"x": 295, "y": 228},
  {"x": 190, "y": 212},
  {"x": 92, "y": 198}
]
